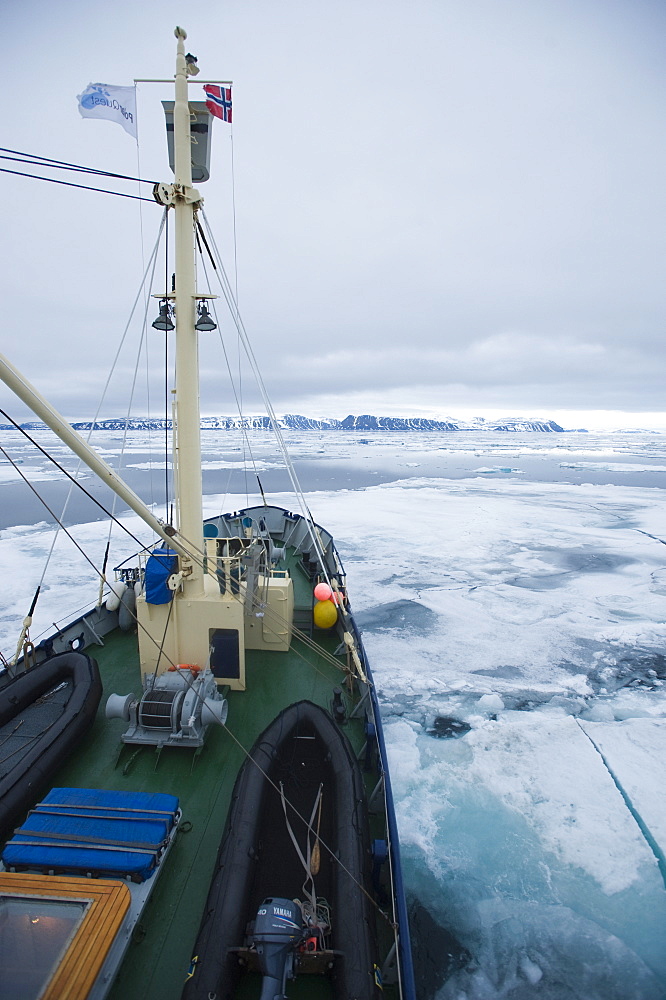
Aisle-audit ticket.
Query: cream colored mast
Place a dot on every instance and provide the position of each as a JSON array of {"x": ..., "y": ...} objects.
[{"x": 187, "y": 422}]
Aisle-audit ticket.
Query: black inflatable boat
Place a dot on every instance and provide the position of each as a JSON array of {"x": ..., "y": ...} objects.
[
  {"x": 299, "y": 809},
  {"x": 44, "y": 712}
]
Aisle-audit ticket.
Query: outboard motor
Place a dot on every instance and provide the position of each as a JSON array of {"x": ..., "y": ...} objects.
[{"x": 278, "y": 930}]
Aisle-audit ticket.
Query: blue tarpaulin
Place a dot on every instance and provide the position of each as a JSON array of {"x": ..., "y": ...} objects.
[
  {"x": 161, "y": 564},
  {"x": 79, "y": 830}
]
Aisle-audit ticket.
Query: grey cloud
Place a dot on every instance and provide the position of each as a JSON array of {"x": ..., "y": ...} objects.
[{"x": 459, "y": 201}]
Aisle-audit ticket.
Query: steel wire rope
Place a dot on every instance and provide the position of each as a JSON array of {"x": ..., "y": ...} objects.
[
  {"x": 239, "y": 405},
  {"x": 281, "y": 621},
  {"x": 237, "y": 397},
  {"x": 233, "y": 308},
  {"x": 34, "y": 159},
  {"x": 151, "y": 264},
  {"x": 191, "y": 552},
  {"x": 271, "y": 414},
  {"x": 245, "y": 437},
  {"x": 84, "y": 187},
  {"x": 160, "y": 649},
  {"x": 9, "y": 735},
  {"x": 152, "y": 260},
  {"x": 51, "y": 512},
  {"x": 197, "y": 557},
  {"x": 190, "y": 683},
  {"x": 132, "y": 389},
  {"x": 146, "y": 300},
  {"x": 233, "y": 208},
  {"x": 312, "y": 646},
  {"x": 305, "y": 639},
  {"x": 80, "y": 549},
  {"x": 57, "y": 624},
  {"x": 243, "y": 428},
  {"x": 327, "y": 657},
  {"x": 28, "y": 740}
]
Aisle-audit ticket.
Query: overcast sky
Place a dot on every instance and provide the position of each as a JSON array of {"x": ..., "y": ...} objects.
[{"x": 446, "y": 207}]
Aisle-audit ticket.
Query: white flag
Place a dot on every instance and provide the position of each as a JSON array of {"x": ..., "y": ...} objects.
[{"x": 118, "y": 104}]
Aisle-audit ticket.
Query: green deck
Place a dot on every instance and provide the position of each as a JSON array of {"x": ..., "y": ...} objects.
[{"x": 159, "y": 955}]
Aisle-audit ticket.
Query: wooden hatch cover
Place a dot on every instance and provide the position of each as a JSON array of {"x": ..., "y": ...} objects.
[{"x": 58, "y": 931}]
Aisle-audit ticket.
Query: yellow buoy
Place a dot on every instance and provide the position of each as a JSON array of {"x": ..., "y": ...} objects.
[{"x": 325, "y": 614}]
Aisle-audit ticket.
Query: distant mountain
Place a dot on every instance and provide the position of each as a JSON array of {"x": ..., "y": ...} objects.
[
  {"x": 512, "y": 424},
  {"x": 292, "y": 421}
]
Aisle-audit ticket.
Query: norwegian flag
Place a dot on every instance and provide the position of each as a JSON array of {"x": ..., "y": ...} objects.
[{"x": 218, "y": 101}]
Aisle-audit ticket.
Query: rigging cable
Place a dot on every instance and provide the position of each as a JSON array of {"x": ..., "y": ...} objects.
[
  {"x": 238, "y": 395},
  {"x": 151, "y": 262},
  {"x": 33, "y": 160},
  {"x": 279, "y": 620},
  {"x": 245, "y": 438},
  {"x": 233, "y": 209},
  {"x": 142, "y": 339},
  {"x": 200, "y": 237},
  {"x": 85, "y": 187},
  {"x": 146, "y": 300},
  {"x": 83, "y": 553},
  {"x": 192, "y": 551},
  {"x": 239, "y": 405},
  {"x": 233, "y": 308},
  {"x": 60, "y": 524}
]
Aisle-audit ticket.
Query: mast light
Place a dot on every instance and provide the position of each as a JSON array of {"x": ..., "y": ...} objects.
[
  {"x": 205, "y": 322},
  {"x": 164, "y": 321},
  {"x": 191, "y": 68}
]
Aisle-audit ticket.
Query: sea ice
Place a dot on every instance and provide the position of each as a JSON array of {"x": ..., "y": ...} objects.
[
  {"x": 624, "y": 467},
  {"x": 631, "y": 750},
  {"x": 532, "y": 838},
  {"x": 517, "y": 839},
  {"x": 490, "y": 703}
]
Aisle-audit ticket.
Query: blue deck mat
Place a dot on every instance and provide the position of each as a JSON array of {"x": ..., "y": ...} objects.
[{"x": 81, "y": 830}]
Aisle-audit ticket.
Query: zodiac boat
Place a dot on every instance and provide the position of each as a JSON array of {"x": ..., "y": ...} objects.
[{"x": 44, "y": 714}]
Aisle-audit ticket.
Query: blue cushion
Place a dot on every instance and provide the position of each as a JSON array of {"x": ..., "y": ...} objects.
[{"x": 80, "y": 830}]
